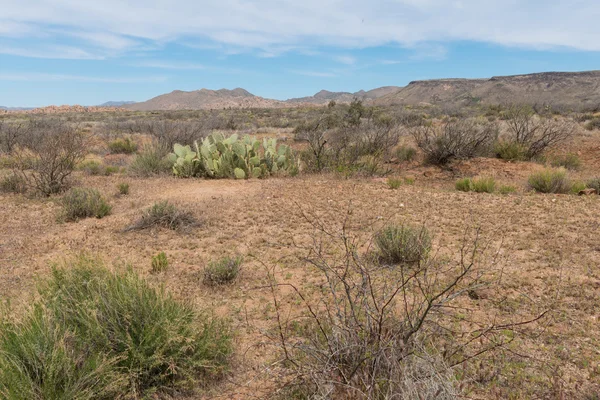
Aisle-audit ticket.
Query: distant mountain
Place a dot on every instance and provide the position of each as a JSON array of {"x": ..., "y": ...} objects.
[
  {"x": 15, "y": 108},
  {"x": 554, "y": 88},
  {"x": 116, "y": 103},
  {"x": 323, "y": 97},
  {"x": 204, "y": 99}
]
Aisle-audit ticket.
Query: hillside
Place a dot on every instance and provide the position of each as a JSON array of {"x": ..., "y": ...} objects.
[
  {"x": 324, "y": 97},
  {"x": 240, "y": 98},
  {"x": 556, "y": 88},
  {"x": 204, "y": 99}
]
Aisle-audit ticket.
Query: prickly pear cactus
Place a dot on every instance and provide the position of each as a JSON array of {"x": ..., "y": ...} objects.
[{"x": 232, "y": 157}]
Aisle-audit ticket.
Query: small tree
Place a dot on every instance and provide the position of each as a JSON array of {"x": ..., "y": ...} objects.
[
  {"x": 455, "y": 139},
  {"x": 53, "y": 151},
  {"x": 535, "y": 133}
]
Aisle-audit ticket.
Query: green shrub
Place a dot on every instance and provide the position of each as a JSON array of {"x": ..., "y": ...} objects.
[
  {"x": 92, "y": 167},
  {"x": 484, "y": 185},
  {"x": 122, "y": 146},
  {"x": 394, "y": 183},
  {"x": 577, "y": 187},
  {"x": 123, "y": 188},
  {"x": 79, "y": 203},
  {"x": 111, "y": 169},
  {"x": 406, "y": 153},
  {"x": 464, "y": 185},
  {"x": 152, "y": 160},
  {"x": 569, "y": 161},
  {"x": 159, "y": 344},
  {"x": 409, "y": 180},
  {"x": 13, "y": 183},
  {"x": 594, "y": 183},
  {"x": 510, "y": 151},
  {"x": 166, "y": 215},
  {"x": 550, "y": 181},
  {"x": 40, "y": 358},
  {"x": 160, "y": 263},
  {"x": 223, "y": 271},
  {"x": 506, "y": 189},
  {"x": 593, "y": 124},
  {"x": 402, "y": 244}
]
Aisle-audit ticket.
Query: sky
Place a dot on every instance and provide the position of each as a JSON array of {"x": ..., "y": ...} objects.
[{"x": 89, "y": 52}]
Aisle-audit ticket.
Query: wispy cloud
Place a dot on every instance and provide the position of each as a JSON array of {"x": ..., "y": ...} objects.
[
  {"x": 168, "y": 65},
  {"x": 348, "y": 60},
  {"x": 56, "y": 52},
  {"x": 41, "y": 77},
  {"x": 317, "y": 74}
]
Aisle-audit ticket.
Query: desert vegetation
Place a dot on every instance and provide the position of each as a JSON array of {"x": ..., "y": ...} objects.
[{"x": 343, "y": 251}]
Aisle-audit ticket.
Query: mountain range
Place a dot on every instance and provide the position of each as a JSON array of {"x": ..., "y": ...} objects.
[{"x": 553, "y": 88}]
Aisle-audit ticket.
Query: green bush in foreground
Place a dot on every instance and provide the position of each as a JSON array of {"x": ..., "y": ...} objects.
[
  {"x": 550, "y": 181},
  {"x": 94, "y": 334},
  {"x": 80, "y": 203},
  {"x": 39, "y": 359},
  {"x": 403, "y": 244}
]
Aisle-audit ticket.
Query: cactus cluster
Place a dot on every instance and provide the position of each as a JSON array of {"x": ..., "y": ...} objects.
[{"x": 232, "y": 157}]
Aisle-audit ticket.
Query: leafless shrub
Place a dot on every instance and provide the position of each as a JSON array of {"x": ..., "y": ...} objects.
[
  {"x": 170, "y": 132},
  {"x": 10, "y": 135},
  {"x": 535, "y": 133},
  {"x": 455, "y": 139},
  {"x": 357, "y": 146},
  {"x": 372, "y": 331},
  {"x": 49, "y": 156}
]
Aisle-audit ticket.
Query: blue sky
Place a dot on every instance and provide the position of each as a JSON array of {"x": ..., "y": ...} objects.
[{"x": 84, "y": 52}]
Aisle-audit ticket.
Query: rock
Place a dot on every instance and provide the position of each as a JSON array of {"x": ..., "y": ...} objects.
[{"x": 587, "y": 192}]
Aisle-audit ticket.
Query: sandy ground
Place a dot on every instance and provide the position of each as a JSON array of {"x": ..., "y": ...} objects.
[{"x": 550, "y": 258}]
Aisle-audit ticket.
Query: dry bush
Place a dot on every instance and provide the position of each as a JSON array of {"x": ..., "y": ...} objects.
[
  {"x": 455, "y": 139},
  {"x": 11, "y": 135},
  {"x": 49, "y": 155},
  {"x": 353, "y": 144},
  {"x": 372, "y": 331},
  {"x": 535, "y": 133},
  {"x": 166, "y": 215}
]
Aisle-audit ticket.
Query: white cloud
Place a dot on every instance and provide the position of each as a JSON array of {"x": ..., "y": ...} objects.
[
  {"x": 291, "y": 25},
  {"x": 40, "y": 77}
]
